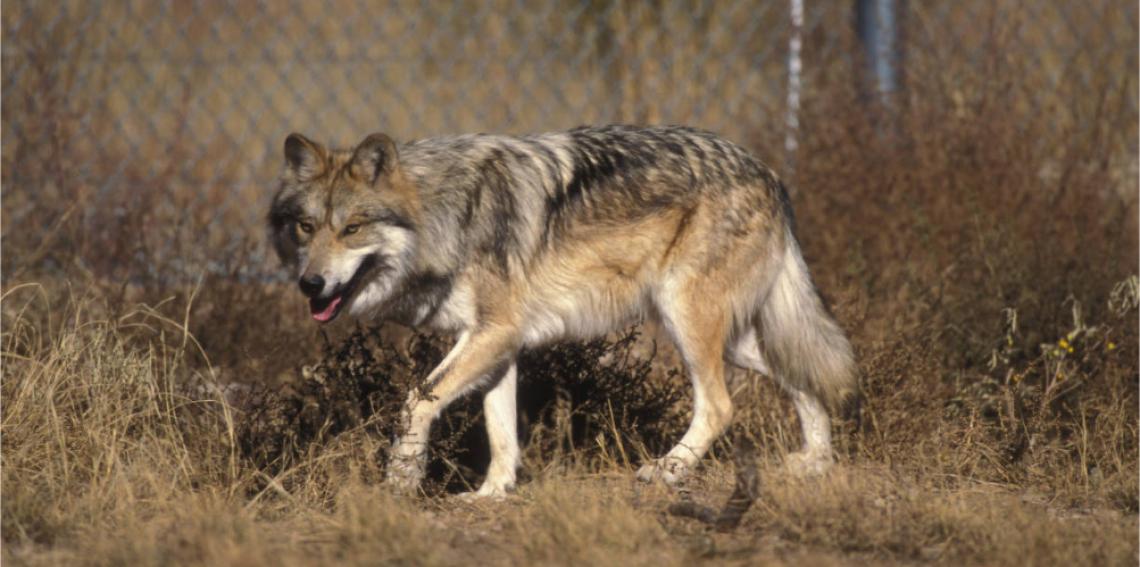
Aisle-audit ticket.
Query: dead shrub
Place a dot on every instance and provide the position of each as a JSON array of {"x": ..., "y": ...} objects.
[{"x": 592, "y": 402}]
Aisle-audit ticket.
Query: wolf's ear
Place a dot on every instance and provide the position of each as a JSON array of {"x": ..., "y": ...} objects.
[
  {"x": 375, "y": 157},
  {"x": 304, "y": 158}
]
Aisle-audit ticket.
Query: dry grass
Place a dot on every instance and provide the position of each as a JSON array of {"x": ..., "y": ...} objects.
[{"x": 983, "y": 260}]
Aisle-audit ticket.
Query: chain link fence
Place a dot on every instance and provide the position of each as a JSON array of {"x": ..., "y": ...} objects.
[{"x": 196, "y": 97}]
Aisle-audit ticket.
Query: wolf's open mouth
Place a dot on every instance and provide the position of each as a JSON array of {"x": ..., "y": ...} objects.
[{"x": 325, "y": 309}]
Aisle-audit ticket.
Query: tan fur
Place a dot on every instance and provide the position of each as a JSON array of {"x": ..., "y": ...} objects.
[{"x": 516, "y": 242}]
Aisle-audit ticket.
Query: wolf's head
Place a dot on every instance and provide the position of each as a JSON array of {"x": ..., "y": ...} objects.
[{"x": 345, "y": 222}]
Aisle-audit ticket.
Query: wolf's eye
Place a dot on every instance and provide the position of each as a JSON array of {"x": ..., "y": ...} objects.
[
  {"x": 351, "y": 229},
  {"x": 305, "y": 227}
]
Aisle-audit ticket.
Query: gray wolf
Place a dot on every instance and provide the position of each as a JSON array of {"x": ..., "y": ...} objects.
[{"x": 511, "y": 242}]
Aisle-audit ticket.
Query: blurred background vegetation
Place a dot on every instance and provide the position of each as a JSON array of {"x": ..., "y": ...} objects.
[
  {"x": 181, "y": 107},
  {"x": 974, "y": 228}
]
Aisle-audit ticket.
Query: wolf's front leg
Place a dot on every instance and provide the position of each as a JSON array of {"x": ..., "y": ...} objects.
[
  {"x": 407, "y": 459},
  {"x": 476, "y": 355},
  {"x": 501, "y": 417}
]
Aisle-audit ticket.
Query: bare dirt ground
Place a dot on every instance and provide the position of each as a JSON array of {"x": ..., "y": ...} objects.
[{"x": 855, "y": 516}]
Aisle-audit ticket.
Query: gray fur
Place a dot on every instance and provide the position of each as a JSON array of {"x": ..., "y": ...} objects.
[{"x": 514, "y": 241}]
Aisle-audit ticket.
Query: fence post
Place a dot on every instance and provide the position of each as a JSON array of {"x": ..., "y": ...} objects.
[
  {"x": 795, "y": 68},
  {"x": 876, "y": 24}
]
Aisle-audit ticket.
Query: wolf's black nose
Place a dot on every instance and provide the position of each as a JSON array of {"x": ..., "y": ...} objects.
[{"x": 312, "y": 285}]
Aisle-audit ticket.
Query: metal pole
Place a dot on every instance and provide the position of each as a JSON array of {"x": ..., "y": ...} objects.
[
  {"x": 795, "y": 68},
  {"x": 876, "y": 25}
]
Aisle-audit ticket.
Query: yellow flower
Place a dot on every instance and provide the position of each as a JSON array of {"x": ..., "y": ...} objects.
[
  {"x": 1111, "y": 345},
  {"x": 1063, "y": 343}
]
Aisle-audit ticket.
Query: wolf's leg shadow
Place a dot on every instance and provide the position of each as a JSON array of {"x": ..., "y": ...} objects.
[{"x": 744, "y": 493}]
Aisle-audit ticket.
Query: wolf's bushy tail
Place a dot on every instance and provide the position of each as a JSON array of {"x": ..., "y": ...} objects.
[{"x": 801, "y": 341}]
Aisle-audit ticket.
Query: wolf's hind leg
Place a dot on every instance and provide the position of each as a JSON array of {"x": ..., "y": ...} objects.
[
  {"x": 698, "y": 329},
  {"x": 816, "y": 456},
  {"x": 744, "y": 352},
  {"x": 499, "y": 413}
]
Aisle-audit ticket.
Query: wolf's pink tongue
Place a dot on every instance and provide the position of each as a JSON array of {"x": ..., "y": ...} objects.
[{"x": 328, "y": 312}]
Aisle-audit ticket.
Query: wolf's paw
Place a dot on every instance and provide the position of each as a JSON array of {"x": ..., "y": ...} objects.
[
  {"x": 404, "y": 475},
  {"x": 489, "y": 491},
  {"x": 669, "y": 470},
  {"x": 805, "y": 464}
]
